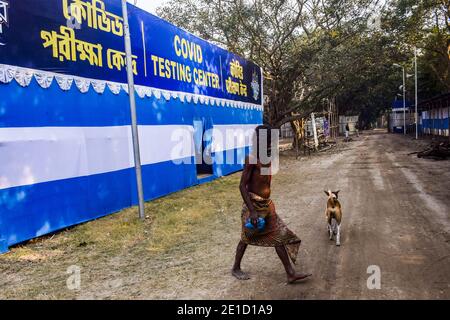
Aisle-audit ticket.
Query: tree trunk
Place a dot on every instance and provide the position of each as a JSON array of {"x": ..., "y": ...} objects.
[{"x": 298, "y": 130}]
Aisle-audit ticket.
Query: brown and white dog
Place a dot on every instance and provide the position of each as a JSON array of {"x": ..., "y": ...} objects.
[{"x": 334, "y": 216}]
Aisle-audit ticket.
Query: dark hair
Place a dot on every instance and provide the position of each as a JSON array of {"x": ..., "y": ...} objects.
[{"x": 268, "y": 129}]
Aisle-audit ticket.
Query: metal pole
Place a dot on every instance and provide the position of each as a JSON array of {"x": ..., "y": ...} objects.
[
  {"x": 404, "y": 101},
  {"x": 134, "y": 128},
  {"x": 417, "y": 100},
  {"x": 314, "y": 128},
  {"x": 448, "y": 118}
]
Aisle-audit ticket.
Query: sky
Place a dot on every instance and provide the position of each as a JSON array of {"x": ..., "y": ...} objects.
[{"x": 149, "y": 5}]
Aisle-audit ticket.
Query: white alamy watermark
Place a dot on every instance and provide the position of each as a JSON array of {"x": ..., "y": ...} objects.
[
  {"x": 266, "y": 151},
  {"x": 374, "y": 19},
  {"x": 74, "y": 15},
  {"x": 374, "y": 22},
  {"x": 73, "y": 282},
  {"x": 374, "y": 280},
  {"x": 4, "y": 16},
  {"x": 226, "y": 147}
]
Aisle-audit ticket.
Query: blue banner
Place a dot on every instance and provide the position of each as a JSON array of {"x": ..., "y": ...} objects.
[{"x": 84, "y": 38}]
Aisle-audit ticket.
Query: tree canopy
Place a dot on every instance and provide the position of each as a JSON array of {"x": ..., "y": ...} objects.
[{"x": 313, "y": 51}]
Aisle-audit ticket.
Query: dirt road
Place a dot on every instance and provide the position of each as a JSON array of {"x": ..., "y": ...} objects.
[{"x": 396, "y": 216}]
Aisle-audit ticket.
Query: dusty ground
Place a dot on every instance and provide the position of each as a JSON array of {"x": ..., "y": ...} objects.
[{"x": 396, "y": 216}]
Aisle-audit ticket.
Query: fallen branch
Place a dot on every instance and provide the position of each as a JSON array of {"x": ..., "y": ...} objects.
[{"x": 437, "y": 151}]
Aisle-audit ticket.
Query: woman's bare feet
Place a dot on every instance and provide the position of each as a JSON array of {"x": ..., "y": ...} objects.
[
  {"x": 239, "y": 274},
  {"x": 297, "y": 277}
]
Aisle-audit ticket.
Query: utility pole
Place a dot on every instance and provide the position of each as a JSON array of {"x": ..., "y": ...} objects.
[
  {"x": 314, "y": 128},
  {"x": 404, "y": 96},
  {"x": 404, "y": 101},
  {"x": 417, "y": 100},
  {"x": 134, "y": 127}
]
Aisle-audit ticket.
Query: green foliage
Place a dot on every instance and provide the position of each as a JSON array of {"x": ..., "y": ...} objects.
[{"x": 314, "y": 50}]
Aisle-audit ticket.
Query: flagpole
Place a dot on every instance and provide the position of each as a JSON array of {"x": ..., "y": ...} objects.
[{"x": 134, "y": 127}]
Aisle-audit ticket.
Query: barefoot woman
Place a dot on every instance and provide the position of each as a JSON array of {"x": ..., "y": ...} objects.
[{"x": 255, "y": 190}]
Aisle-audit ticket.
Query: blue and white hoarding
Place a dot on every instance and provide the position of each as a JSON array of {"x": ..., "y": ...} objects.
[{"x": 65, "y": 134}]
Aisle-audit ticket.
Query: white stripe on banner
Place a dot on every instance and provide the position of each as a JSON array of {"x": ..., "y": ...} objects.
[
  {"x": 227, "y": 137},
  {"x": 165, "y": 143},
  {"x": 42, "y": 154}
]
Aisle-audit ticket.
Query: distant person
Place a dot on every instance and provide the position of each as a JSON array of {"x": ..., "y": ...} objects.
[
  {"x": 347, "y": 132},
  {"x": 357, "y": 129},
  {"x": 261, "y": 226},
  {"x": 326, "y": 129}
]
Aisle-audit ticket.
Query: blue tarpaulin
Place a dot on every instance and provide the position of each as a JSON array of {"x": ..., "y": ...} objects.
[{"x": 398, "y": 104}]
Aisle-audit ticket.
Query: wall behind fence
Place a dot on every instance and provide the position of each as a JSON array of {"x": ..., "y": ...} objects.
[{"x": 436, "y": 121}]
